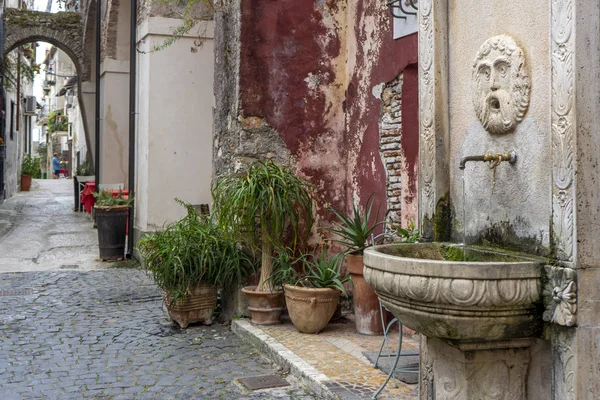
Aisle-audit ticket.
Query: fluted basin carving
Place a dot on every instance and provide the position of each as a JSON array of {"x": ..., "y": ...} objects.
[{"x": 443, "y": 292}]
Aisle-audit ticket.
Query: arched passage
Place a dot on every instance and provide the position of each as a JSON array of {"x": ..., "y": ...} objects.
[{"x": 65, "y": 31}]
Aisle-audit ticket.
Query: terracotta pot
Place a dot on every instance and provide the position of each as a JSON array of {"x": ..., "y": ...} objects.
[
  {"x": 25, "y": 183},
  {"x": 366, "y": 303},
  {"x": 310, "y": 309},
  {"x": 197, "y": 306},
  {"x": 265, "y": 307}
]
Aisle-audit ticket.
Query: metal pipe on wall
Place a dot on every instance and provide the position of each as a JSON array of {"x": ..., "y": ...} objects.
[
  {"x": 97, "y": 125},
  {"x": 2, "y": 100},
  {"x": 132, "y": 115}
]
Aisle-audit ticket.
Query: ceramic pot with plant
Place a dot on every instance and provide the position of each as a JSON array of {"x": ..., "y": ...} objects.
[
  {"x": 189, "y": 260},
  {"x": 111, "y": 211},
  {"x": 265, "y": 206},
  {"x": 354, "y": 233},
  {"x": 29, "y": 168},
  {"x": 311, "y": 294}
]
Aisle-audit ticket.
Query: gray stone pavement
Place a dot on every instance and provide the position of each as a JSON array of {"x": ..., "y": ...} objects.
[
  {"x": 40, "y": 231},
  {"x": 90, "y": 331}
]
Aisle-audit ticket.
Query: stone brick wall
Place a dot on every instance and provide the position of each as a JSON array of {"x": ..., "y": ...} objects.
[
  {"x": 109, "y": 30},
  {"x": 390, "y": 147},
  {"x": 63, "y": 29}
]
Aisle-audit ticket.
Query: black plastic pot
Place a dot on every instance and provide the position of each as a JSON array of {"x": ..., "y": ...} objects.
[{"x": 112, "y": 231}]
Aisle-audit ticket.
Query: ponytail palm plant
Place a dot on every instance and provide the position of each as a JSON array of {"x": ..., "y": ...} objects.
[{"x": 260, "y": 205}]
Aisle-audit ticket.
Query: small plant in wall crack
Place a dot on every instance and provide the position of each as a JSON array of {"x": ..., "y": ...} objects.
[{"x": 409, "y": 235}]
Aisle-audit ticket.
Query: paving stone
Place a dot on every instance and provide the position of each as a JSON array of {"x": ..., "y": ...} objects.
[
  {"x": 96, "y": 332},
  {"x": 68, "y": 354}
]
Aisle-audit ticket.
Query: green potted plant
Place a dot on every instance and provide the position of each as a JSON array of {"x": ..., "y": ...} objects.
[
  {"x": 111, "y": 211},
  {"x": 311, "y": 294},
  {"x": 354, "y": 233},
  {"x": 29, "y": 168},
  {"x": 189, "y": 260},
  {"x": 57, "y": 122},
  {"x": 264, "y": 206}
]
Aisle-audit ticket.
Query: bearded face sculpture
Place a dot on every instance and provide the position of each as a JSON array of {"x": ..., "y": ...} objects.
[{"x": 500, "y": 85}]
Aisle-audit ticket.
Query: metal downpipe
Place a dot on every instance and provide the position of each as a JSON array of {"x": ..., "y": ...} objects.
[
  {"x": 97, "y": 125},
  {"x": 132, "y": 115}
]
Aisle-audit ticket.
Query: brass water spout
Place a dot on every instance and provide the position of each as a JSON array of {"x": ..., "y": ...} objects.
[{"x": 494, "y": 159}]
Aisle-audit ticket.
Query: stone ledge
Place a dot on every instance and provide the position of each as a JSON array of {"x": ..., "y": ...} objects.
[{"x": 317, "y": 382}]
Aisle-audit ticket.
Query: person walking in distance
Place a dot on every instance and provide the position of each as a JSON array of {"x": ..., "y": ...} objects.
[{"x": 56, "y": 166}]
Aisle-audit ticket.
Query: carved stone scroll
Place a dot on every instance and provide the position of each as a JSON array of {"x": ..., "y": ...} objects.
[
  {"x": 563, "y": 129},
  {"x": 426, "y": 117}
]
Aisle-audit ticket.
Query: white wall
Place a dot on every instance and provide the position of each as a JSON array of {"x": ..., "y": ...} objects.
[
  {"x": 174, "y": 127},
  {"x": 114, "y": 125},
  {"x": 79, "y": 144}
]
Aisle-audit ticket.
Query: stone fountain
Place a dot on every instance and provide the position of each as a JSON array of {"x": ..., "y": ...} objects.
[{"x": 509, "y": 102}]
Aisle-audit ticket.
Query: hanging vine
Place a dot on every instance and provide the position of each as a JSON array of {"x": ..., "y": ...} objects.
[
  {"x": 15, "y": 67},
  {"x": 194, "y": 13}
]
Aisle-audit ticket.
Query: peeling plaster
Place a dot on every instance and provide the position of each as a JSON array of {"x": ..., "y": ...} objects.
[
  {"x": 313, "y": 72},
  {"x": 377, "y": 90}
]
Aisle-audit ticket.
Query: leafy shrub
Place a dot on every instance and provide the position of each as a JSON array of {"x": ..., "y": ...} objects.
[
  {"x": 106, "y": 198},
  {"x": 30, "y": 165},
  {"x": 57, "y": 122},
  {"x": 317, "y": 270},
  {"x": 191, "y": 251}
]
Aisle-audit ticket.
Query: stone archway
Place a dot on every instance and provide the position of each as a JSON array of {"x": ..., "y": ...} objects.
[{"x": 63, "y": 29}]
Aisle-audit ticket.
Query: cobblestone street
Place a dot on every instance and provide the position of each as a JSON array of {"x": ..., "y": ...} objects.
[{"x": 102, "y": 333}]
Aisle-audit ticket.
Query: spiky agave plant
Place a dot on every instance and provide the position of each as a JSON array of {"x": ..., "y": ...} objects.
[
  {"x": 355, "y": 230},
  {"x": 259, "y": 205}
]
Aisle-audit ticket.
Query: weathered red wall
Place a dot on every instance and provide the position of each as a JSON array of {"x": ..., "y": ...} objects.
[
  {"x": 309, "y": 70},
  {"x": 292, "y": 74},
  {"x": 377, "y": 59}
]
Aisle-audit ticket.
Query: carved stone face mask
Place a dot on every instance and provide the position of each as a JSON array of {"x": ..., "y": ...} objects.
[{"x": 500, "y": 84}]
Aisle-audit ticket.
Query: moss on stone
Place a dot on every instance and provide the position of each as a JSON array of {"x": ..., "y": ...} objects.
[
  {"x": 442, "y": 220},
  {"x": 453, "y": 253},
  {"x": 504, "y": 234},
  {"x": 28, "y": 18},
  {"x": 456, "y": 253}
]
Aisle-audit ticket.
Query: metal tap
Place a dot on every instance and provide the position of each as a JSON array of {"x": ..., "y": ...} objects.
[{"x": 494, "y": 159}]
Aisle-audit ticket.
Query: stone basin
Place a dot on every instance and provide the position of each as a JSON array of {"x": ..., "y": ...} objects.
[{"x": 458, "y": 293}]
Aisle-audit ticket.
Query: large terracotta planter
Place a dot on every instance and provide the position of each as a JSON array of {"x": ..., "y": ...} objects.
[
  {"x": 25, "y": 183},
  {"x": 197, "y": 306},
  {"x": 265, "y": 307},
  {"x": 310, "y": 309},
  {"x": 367, "y": 315}
]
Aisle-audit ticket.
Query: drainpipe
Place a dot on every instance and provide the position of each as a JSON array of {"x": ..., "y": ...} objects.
[
  {"x": 2, "y": 97},
  {"x": 132, "y": 104},
  {"x": 97, "y": 126}
]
